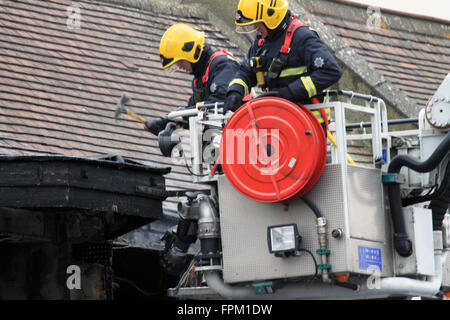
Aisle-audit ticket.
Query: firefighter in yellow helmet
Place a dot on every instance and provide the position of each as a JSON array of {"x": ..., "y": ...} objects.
[
  {"x": 286, "y": 58},
  {"x": 183, "y": 48},
  {"x": 181, "y": 43}
]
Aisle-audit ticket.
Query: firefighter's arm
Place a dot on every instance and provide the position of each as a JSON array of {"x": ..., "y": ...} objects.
[
  {"x": 323, "y": 68},
  {"x": 245, "y": 78},
  {"x": 191, "y": 101},
  {"x": 240, "y": 85}
]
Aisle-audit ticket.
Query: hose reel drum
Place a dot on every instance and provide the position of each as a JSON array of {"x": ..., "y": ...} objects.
[{"x": 273, "y": 150}]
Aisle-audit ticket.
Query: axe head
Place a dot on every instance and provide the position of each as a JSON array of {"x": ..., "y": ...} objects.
[{"x": 121, "y": 106}]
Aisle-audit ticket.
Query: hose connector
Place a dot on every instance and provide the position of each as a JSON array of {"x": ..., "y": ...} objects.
[
  {"x": 209, "y": 235},
  {"x": 324, "y": 266}
]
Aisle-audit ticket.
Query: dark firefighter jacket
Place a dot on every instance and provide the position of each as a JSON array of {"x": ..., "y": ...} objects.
[
  {"x": 221, "y": 71},
  {"x": 309, "y": 70}
]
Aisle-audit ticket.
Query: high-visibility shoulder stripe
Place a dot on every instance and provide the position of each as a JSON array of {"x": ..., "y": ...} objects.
[
  {"x": 293, "y": 71},
  {"x": 231, "y": 57},
  {"x": 241, "y": 82}
]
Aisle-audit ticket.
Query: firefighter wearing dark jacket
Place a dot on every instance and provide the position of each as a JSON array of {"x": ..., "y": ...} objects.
[
  {"x": 287, "y": 57},
  {"x": 183, "y": 47}
]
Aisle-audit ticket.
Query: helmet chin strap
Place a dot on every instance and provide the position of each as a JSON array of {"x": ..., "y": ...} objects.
[{"x": 197, "y": 67}]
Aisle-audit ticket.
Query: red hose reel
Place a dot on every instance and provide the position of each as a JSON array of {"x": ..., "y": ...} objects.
[{"x": 273, "y": 150}]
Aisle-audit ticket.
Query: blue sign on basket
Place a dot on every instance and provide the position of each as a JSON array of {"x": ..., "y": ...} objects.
[{"x": 369, "y": 258}]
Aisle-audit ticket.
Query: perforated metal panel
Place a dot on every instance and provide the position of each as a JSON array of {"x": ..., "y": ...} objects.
[{"x": 244, "y": 225}]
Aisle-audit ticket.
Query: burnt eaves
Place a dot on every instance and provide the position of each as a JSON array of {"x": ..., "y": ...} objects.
[{"x": 87, "y": 184}]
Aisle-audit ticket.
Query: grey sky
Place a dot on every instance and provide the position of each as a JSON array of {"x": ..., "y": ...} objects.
[{"x": 432, "y": 8}]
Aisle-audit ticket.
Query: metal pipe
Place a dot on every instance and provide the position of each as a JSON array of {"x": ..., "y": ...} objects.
[
  {"x": 387, "y": 287},
  {"x": 208, "y": 222},
  {"x": 323, "y": 245},
  {"x": 407, "y": 286},
  {"x": 351, "y": 95},
  {"x": 351, "y": 126},
  {"x": 216, "y": 283},
  {"x": 174, "y": 115},
  {"x": 209, "y": 234}
]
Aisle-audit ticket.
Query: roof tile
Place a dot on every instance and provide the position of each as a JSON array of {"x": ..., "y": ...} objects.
[
  {"x": 63, "y": 85},
  {"x": 418, "y": 47}
]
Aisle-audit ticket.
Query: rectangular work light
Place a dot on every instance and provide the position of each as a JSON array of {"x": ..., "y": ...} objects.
[{"x": 283, "y": 239}]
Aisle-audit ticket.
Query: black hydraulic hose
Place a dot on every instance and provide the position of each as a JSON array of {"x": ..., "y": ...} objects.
[
  {"x": 439, "y": 206},
  {"x": 445, "y": 185},
  {"x": 313, "y": 207},
  {"x": 426, "y": 166},
  {"x": 402, "y": 243}
]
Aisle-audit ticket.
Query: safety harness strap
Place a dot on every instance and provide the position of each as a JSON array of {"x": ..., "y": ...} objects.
[
  {"x": 294, "y": 25},
  {"x": 213, "y": 56}
]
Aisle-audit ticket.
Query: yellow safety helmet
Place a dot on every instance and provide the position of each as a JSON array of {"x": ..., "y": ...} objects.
[
  {"x": 270, "y": 12},
  {"x": 181, "y": 42}
]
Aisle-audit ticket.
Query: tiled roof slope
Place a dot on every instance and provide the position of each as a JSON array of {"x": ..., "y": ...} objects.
[
  {"x": 410, "y": 52},
  {"x": 59, "y": 86}
]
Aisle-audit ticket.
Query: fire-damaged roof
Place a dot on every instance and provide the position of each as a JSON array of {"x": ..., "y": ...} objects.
[{"x": 65, "y": 64}]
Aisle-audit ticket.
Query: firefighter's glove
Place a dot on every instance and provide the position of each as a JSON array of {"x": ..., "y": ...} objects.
[
  {"x": 285, "y": 93},
  {"x": 156, "y": 125},
  {"x": 232, "y": 102}
]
